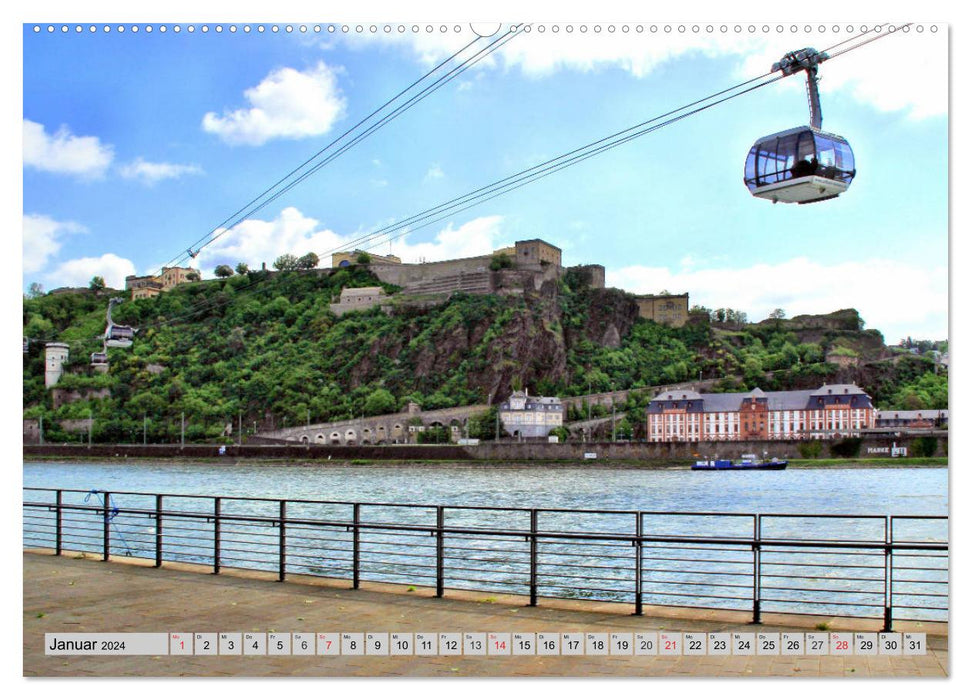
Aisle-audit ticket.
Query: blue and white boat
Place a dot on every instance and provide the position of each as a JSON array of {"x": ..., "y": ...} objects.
[{"x": 748, "y": 462}]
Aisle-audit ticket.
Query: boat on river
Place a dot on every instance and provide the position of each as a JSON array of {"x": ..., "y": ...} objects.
[{"x": 746, "y": 463}]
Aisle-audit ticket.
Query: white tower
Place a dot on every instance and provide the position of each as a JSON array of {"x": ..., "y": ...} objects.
[{"x": 57, "y": 354}]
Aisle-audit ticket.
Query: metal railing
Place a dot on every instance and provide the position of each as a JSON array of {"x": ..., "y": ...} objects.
[{"x": 894, "y": 567}]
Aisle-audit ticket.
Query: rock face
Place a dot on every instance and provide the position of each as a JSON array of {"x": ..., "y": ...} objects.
[{"x": 517, "y": 340}]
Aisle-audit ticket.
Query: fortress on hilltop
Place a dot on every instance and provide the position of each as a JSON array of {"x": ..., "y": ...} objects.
[{"x": 517, "y": 269}]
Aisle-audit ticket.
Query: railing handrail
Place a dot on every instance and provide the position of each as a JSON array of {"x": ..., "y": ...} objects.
[
  {"x": 598, "y": 558},
  {"x": 274, "y": 520},
  {"x": 518, "y": 509}
]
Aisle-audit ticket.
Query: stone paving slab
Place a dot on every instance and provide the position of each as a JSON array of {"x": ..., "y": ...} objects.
[{"x": 75, "y": 594}]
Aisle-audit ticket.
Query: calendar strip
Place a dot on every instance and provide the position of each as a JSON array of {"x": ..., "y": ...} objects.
[{"x": 495, "y": 644}]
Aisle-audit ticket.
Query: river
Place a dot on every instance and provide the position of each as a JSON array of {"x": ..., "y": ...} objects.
[{"x": 851, "y": 490}]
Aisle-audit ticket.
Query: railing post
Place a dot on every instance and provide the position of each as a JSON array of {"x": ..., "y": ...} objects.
[
  {"x": 439, "y": 551},
  {"x": 216, "y": 532},
  {"x": 158, "y": 530},
  {"x": 757, "y": 572},
  {"x": 58, "y": 524},
  {"x": 639, "y": 563},
  {"x": 533, "y": 552},
  {"x": 106, "y": 544},
  {"x": 283, "y": 540},
  {"x": 888, "y": 574},
  {"x": 357, "y": 546}
]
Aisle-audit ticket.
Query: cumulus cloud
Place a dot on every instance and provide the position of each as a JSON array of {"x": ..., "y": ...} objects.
[
  {"x": 917, "y": 308},
  {"x": 255, "y": 241},
  {"x": 288, "y": 104},
  {"x": 65, "y": 153},
  {"x": 151, "y": 173},
  {"x": 42, "y": 239},
  {"x": 78, "y": 272},
  {"x": 479, "y": 236},
  {"x": 917, "y": 86}
]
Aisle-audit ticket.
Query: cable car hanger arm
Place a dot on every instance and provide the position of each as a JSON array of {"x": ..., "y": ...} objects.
[{"x": 807, "y": 59}]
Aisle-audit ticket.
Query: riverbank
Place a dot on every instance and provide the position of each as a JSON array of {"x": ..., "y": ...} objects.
[{"x": 82, "y": 456}]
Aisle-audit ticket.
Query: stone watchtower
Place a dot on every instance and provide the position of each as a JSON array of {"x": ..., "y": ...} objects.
[{"x": 56, "y": 355}]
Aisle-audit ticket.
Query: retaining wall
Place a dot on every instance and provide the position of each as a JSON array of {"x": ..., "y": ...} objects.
[{"x": 487, "y": 451}]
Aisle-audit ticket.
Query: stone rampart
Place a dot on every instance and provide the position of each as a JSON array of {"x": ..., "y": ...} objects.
[{"x": 388, "y": 429}]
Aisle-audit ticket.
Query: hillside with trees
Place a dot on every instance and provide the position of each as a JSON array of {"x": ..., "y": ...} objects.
[{"x": 265, "y": 347}]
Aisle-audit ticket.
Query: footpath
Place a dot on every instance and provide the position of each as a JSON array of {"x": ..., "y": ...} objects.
[{"x": 72, "y": 594}]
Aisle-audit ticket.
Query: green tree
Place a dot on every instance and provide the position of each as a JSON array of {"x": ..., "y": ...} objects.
[
  {"x": 500, "y": 262},
  {"x": 363, "y": 258},
  {"x": 308, "y": 261},
  {"x": 286, "y": 262},
  {"x": 223, "y": 271},
  {"x": 97, "y": 283},
  {"x": 242, "y": 268},
  {"x": 36, "y": 289},
  {"x": 379, "y": 402}
]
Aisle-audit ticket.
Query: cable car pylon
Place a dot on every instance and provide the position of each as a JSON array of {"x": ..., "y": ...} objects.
[{"x": 804, "y": 164}]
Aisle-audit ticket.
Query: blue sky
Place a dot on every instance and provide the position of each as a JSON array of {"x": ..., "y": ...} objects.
[{"x": 151, "y": 139}]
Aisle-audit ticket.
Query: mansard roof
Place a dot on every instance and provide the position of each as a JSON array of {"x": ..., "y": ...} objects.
[{"x": 795, "y": 400}]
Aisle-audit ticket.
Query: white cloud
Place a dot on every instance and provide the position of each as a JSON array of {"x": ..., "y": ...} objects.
[
  {"x": 42, "y": 239},
  {"x": 287, "y": 104},
  {"x": 435, "y": 172},
  {"x": 78, "y": 272},
  {"x": 477, "y": 237},
  {"x": 150, "y": 173},
  {"x": 874, "y": 287},
  {"x": 255, "y": 241},
  {"x": 63, "y": 152},
  {"x": 916, "y": 83}
]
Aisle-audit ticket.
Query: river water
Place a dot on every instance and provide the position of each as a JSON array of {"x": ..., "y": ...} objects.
[
  {"x": 489, "y": 550},
  {"x": 857, "y": 491}
]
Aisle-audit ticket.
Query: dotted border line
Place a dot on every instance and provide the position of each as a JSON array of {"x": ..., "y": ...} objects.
[{"x": 835, "y": 29}]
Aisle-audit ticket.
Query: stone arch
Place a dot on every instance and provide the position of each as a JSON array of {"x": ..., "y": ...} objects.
[
  {"x": 350, "y": 436},
  {"x": 305, "y": 439},
  {"x": 320, "y": 439},
  {"x": 335, "y": 438}
]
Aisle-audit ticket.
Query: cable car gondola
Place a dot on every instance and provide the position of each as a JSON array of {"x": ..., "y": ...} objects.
[
  {"x": 117, "y": 336},
  {"x": 99, "y": 358},
  {"x": 804, "y": 164}
]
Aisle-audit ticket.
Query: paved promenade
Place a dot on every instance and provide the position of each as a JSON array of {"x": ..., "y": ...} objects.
[{"x": 71, "y": 594}]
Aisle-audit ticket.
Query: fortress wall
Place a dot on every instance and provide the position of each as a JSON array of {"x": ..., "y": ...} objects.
[{"x": 409, "y": 274}]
